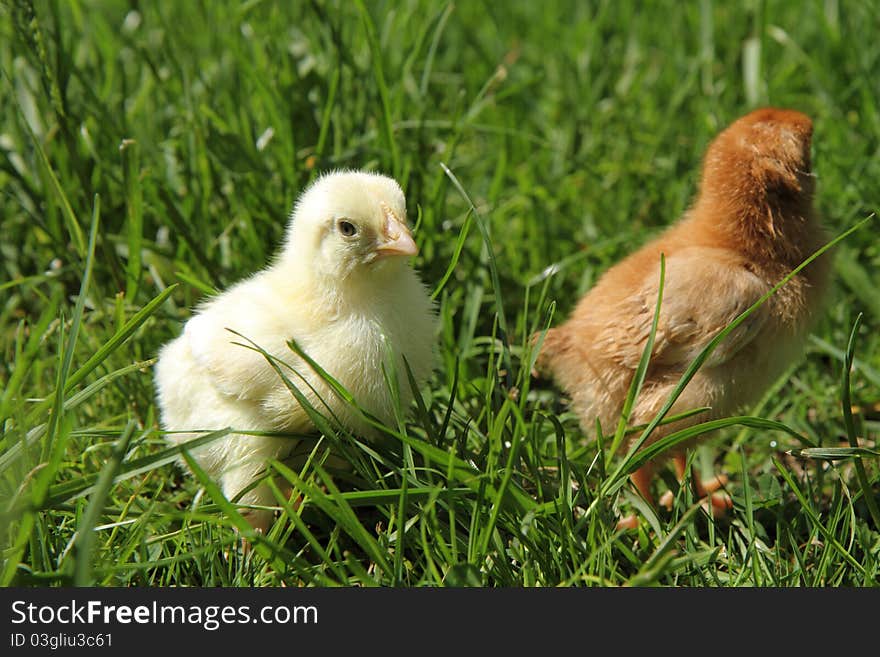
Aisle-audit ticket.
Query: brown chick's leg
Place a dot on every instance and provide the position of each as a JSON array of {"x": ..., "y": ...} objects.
[
  {"x": 641, "y": 479},
  {"x": 628, "y": 522},
  {"x": 703, "y": 489}
]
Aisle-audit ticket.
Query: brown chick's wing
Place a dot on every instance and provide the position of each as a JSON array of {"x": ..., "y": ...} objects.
[{"x": 702, "y": 294}]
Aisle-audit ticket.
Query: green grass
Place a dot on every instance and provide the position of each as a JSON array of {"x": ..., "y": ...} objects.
[{"x": 148, "y": 159}]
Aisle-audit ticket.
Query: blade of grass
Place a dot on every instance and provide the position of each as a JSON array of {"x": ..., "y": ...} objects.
[
  {"x": 303, "y": 529},
  {"x": 200, "y": 285},
  {"x": 432, "y": 50},
  {"x": 325, "y": 122},
  {"x": 134, "y": 213},
  {"x": 69, "y": 491},
  {"x": 338, "y": 509},
  {"x": 264, "y": 548},
  {"x": 846, "y": 403},
  {"x": 749, "y": 512},
  {"x": 84, "y": 370},
  {"x": 508, "y": 471},
  {"x": 653, "y": 568},
  {"x": 51, "y": 446},
  {"x": 73, "y": 227},
  {"x": 118, "y": 338},
  {"x": 493, "y": 273},
  {"x": 834, "y": 453},
  {"x": 817, "y": 523},
  {"x": 379, "y": 75},
  {"x": 641, "y": 370},
  {"x": 695, "y": 365},
  {"x": 866, "y": 370},
  {"x": 23, "y": 361},
  {"x": 456, "y": 254},
  {"x": 668, "y": 442},
  {"x": 85, "y": 531},
  {"x": 15, "y": 451},
  {"x": 58, "y": 430}
]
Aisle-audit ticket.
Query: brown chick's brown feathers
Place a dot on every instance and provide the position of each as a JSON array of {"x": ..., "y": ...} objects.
[{"x": 751, "y": 224}]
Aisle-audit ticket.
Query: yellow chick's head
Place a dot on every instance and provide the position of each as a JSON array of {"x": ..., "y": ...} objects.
[{"x": 349, "y": 223}]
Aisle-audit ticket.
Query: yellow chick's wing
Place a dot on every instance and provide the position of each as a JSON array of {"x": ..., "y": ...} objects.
[
  {"x": 702, "y": 294},
  {"x": 230, "y": 363}
]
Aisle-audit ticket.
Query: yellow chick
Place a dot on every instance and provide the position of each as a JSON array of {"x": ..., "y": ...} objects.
[
  {"x": 752, "y": 222},
  {"x": 342, "y": 288}
]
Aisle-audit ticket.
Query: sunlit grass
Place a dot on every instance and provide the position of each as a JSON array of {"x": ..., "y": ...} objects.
[{"x": 147, "y": 161}]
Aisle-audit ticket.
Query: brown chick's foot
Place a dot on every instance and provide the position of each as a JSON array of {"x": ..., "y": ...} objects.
[
  {"x": 666, "y": 500},
  {"x": 702, "y": 488},
  {"x": 720, "y": 503},
  {"x": 629, "y": 522},
  {"x": 641, "y": 479}
]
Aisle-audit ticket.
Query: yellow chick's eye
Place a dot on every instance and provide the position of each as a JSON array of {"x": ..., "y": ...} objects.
[{"x": 347, "y": 228}]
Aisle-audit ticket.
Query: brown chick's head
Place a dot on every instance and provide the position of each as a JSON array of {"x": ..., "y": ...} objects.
[
  {"x": 757, "y": 184},
  {"x": 349, "y": 223}
]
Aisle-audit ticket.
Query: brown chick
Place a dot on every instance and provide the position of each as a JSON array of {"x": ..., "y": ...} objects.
[{"x": 752, "y": 222}]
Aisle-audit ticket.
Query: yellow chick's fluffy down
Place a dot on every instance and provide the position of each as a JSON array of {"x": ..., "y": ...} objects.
[{"x": 341, "y": 287}]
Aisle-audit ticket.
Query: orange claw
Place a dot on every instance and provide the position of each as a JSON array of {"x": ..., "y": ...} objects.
[
  {"x": 629, "y": 522},
  {"x": 641, "y": 479}
]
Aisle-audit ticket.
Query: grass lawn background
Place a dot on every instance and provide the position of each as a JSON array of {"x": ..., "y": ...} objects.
[{"x": 151, "y": 152}]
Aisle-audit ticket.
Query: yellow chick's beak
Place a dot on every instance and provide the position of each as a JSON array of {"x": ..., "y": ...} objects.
[{"x": 398, "y": 240}]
